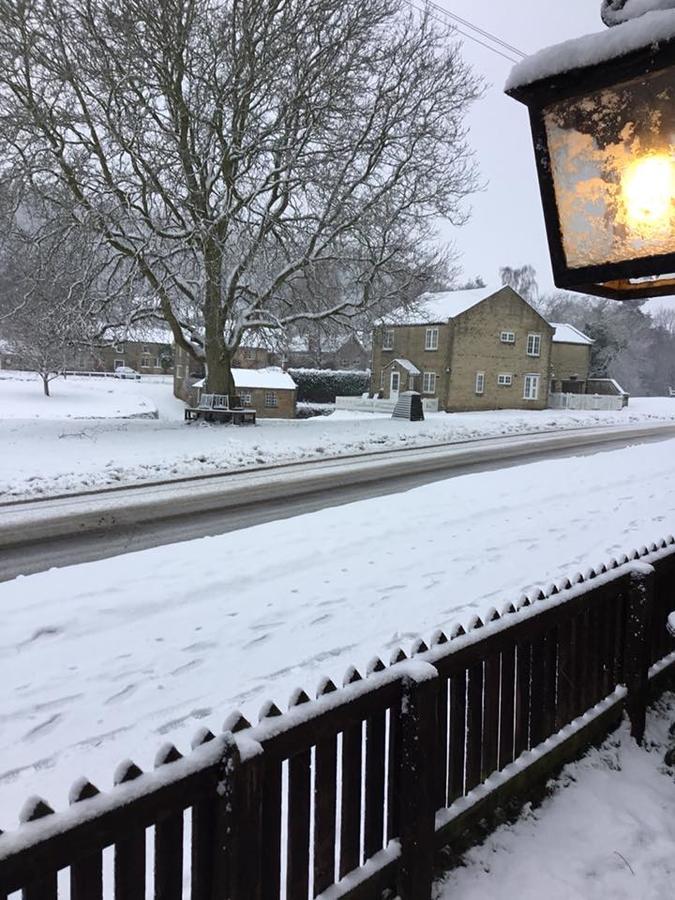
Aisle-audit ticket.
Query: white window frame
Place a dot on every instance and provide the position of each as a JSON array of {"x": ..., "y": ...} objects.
[
  {"x": 528, "y": 382},
  {"x": 480, "y": 382},
  {"x": 146, "y": 362},
  {"x": 507, "y": 337},
  {"x": 271, "y": 400},
  {"x": 246, "y": 398},
  {"x": 504, "y": 379},
  {"x": 388, "y": 339},
  {"x": 118, "y": 364},
  {"x": 429, "y": 383},
  {"x": 431, "y": 339},
  {"x": 534, "y": 344},
  {"x": 179, "y": 371}
]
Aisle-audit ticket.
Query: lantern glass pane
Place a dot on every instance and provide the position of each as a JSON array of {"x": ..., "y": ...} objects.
[{"x": 613, "y": 163}]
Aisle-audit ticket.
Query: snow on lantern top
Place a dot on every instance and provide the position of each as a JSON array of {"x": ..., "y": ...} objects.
[{"x": 602, "y": 111}]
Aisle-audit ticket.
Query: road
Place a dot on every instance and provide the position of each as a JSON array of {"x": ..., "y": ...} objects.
[{"x": 36, "y": 535}]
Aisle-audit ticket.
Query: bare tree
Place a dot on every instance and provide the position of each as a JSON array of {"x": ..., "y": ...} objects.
[
  {"x": 58, "y": 295},
  {"x": 523, "y": 280},
  {"x": 225, "y": 149}
]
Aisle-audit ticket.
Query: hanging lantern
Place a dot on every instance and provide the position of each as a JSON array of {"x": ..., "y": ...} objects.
[{"x": 602, "y": 112}]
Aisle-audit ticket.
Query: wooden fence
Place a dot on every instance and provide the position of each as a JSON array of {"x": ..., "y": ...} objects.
[{"x": 351, "y": 793}]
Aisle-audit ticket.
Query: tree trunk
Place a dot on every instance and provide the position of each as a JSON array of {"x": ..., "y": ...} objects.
[
  {"x": 219, "y": 378},
  {"x": 45, "y": 384}
]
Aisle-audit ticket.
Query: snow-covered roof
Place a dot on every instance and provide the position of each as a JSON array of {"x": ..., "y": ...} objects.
[
  {"x": 407, "y": 365},
  {"x": 144, "y": 332},
  {"x": 439, "y": 307},
  {"x": 647, "y": 30},
  {"x": 271, "y": 378},
  {"x": 568, "y": 334}
]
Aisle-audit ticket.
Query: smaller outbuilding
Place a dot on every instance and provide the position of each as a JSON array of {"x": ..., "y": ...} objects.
[{"x": 271, "y": 392}]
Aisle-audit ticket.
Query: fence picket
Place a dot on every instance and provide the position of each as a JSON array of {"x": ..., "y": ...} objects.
[
  {"x": 169, "y": 841},
  {"x": 86, "y": 875},
  {"x": 129, "y": 850},
  {"x": 457, "y": 731},
  {"x": 373, "y": 838},
  {"x": 299, "y": 784},
  {"x": 271, "y": 824},
  {"x": 43, "y": 886},
  {"x": 522, "y": 719},
  {"x": 350, "y": 799},
  {"x": 325, "y": 791},
  {"x": 507, "y": 702},
  {"x": 489, "y": 758}
]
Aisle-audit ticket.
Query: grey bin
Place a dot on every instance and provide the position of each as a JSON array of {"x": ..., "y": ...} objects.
[{"x": 409, "y": 406}]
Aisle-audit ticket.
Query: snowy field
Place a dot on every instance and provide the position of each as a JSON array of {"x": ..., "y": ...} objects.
[
  {"x": 78, "y": 439},
  {"x": 608, "y": 830},
  {"x": 108, "y": 660}
]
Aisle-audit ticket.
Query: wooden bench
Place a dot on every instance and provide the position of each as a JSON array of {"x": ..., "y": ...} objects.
[{"x": 216, "y": 408}]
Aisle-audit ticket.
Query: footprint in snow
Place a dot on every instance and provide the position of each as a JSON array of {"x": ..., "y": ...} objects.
[
  {"x": 43, "y": 728},
  {"x": 121, "y": 695}
]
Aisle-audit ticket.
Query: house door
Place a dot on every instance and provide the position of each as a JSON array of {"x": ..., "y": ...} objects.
[{"x": 394, "y": 385}]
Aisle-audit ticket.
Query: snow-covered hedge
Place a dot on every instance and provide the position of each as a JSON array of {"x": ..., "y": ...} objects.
[{"x": 324, "y": 385}]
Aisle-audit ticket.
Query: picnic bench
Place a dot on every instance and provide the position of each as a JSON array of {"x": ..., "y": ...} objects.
[{"x": 216, "y": 408}]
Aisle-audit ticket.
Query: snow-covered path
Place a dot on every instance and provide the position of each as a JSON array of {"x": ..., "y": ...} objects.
[
  {"x": 57, "y": 447},
  {"x": 109, "y": 659},
  {"x": 607, "y": 831}
]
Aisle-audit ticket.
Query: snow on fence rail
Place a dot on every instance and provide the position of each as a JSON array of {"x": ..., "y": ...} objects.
[
  {"x": 349, "y": 794},
  {"x": 585, "y": 401},
  {"x": 373, "y": 404}
]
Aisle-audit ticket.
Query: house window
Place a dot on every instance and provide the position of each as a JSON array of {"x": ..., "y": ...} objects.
[
  {"x": 431, "y": 339},
  {"x": 119, "y": 363},
  {"x": 480, "y": 382},
  {"x": 381, "y": 379},
  {"x": 507, "y": 337},
  {"x": 271, "y": 400},
  {"x": 118, "y": 348},
  {"x": 534, "y": 345},
  {"x": 388, "y": 339},
  {"x": 245, "y": 398},
  {"x": 429, "y": 383},
  {"x": 146, "y": 348},
  {"x": 504, "y": 379},
  {"x": 531, "y": 387},
  {"x": 249, "y": 352},
  {"x": 146, "y": 362},
  {"x": 179, "y": 371}
]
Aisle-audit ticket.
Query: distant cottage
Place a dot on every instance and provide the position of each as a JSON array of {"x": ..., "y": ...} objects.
[
  {"x": 466, "y": 350},
  {"x": 481, "y": 349}
]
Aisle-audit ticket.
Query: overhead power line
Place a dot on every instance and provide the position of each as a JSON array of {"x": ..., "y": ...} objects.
[{"x": 508, "y": 51}]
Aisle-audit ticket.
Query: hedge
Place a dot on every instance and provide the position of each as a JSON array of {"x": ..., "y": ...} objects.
[{"x": 324, "y": 385}]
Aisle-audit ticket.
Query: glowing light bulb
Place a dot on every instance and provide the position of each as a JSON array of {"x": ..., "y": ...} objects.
[{"x": 648, "y": 187}]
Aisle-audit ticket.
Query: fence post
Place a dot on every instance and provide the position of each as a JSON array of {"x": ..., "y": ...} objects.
[
  {"x": 238, "y": 833},
  {"x": 417, "y": 779},
  {"x": 640, "y": 602}
]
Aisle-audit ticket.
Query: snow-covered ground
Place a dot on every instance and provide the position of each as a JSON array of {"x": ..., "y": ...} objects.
[
  {"x": 58, "y": 447},
  {"x": 607, "y": 831},
  {"x": 107, "y": 660}
]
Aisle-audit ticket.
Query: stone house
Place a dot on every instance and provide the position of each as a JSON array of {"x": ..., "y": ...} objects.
[
  {"x": 250, "y": 356},
  {"x": 570, "y": 360},
  {"x": 147, "y": 348},
  {"x": 467, "y": 350},
  {"x": 333, "y": 352}
]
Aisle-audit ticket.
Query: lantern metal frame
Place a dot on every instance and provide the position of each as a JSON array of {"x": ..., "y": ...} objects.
[{"x": 611, "y": 279}]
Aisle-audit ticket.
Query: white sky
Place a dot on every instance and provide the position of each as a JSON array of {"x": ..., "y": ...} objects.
[{"x": 507, "y": 226}]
